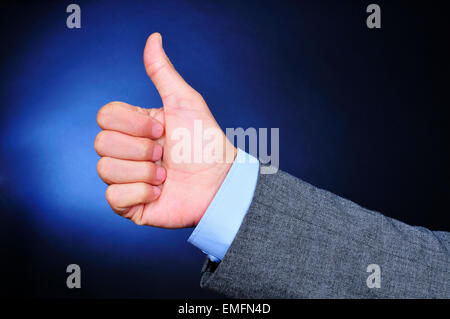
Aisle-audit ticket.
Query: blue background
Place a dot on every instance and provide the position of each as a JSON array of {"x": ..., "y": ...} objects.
[{"x": 362, "y": 113}]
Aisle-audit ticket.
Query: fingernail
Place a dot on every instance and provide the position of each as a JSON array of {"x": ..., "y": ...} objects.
[
  {"x": 160, "y": 173},
  {"x": 156, "y": 191},
  {"x": 157, "y": 152},
  {"x": 157, "y": 130}
]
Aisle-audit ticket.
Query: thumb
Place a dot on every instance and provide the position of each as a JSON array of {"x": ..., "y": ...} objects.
[{"x": 161, "y": 71}]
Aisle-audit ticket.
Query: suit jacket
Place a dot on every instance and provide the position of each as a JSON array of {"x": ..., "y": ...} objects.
[{"x": 298, "y": 241}]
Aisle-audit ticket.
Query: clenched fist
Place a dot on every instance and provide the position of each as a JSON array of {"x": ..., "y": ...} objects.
[{"x": 152, "y": 179}]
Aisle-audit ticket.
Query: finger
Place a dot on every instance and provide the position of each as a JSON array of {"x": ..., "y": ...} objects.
[
  {"x": 154, "y": 112},
  {"x": 122, "y": 146},
  {"x": 117, "y": 171},
  {"x": 161, "y": 71},
  {"x": 123, "y": 196},
  {"x": 128, "y": 119}
]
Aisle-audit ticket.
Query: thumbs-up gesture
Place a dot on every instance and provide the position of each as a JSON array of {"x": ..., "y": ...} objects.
[{"x": 157, "y": 172}]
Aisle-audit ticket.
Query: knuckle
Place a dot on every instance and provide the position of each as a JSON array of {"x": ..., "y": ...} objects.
[
  {"x": 154, "y": 67},
  {"x": 110, "y": 194},
  {"x": 102, "y": 167},
  {"x": 99, "y": 141},
  {"x": 102, "y": 114}
]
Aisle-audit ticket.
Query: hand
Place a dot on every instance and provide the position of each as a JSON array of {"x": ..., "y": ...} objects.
[{"x": 147, "y": 182}]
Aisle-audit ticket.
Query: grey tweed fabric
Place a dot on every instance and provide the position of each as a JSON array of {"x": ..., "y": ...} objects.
[{"x": 298, "y": 241}]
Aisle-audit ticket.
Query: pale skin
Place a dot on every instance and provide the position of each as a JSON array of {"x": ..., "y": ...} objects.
[{"x": 146, "y": 185}]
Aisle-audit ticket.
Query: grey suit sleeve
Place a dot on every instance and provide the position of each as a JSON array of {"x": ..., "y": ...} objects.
[{"x": 298, "y": 241}]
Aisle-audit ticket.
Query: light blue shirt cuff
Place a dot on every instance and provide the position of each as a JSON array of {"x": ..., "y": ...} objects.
[{"x": 219, "y": 225}]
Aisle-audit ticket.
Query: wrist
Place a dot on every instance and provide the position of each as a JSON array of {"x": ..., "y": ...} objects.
[{"x": 217, "y": 176}]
